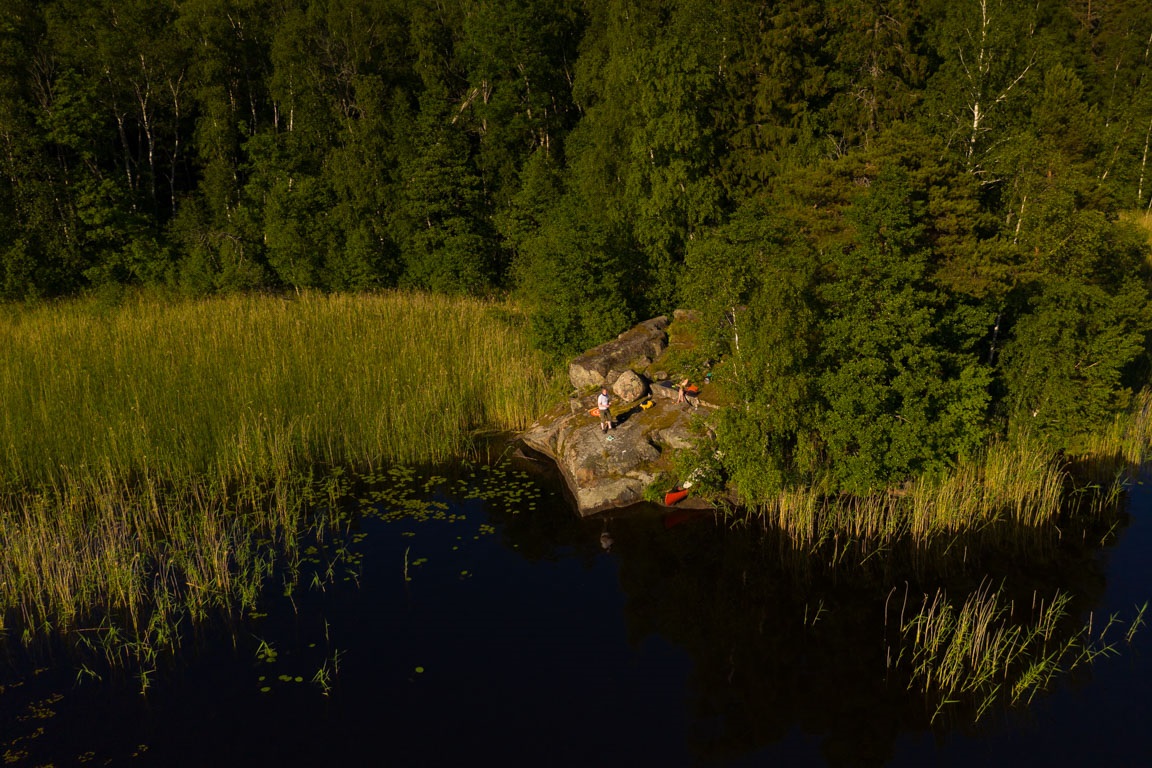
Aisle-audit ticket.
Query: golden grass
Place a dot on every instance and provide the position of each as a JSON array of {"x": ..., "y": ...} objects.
[
  {"x": 242, "y": 385},
  {"x": 153, "y": 457},
  {"x": 1019, "y": 484},
  {"x": 1010, "y": 491},
  {"x": 983, "y": 652},
  {"x": 1124, "y": 443}
]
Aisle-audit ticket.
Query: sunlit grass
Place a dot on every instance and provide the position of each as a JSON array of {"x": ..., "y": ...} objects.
[
  {"x": 155, "y": 456},
  {"x": 1019, "y": 485},
  {"x": 1008, "y": 493},
  {"x": 242, "y": 385},
  {"x": 988, "y": 649},
  {"x": 1125, "y": 443}
]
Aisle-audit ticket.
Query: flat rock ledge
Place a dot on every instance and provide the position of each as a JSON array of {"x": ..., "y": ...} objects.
[{"x": 609, "y": 470}]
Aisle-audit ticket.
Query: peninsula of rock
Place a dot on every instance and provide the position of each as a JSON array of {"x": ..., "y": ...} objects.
[{"x": 608, "y": 470}]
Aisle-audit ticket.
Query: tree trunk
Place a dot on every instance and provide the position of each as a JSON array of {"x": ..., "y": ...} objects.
[{"x": 1144, "y": 167}]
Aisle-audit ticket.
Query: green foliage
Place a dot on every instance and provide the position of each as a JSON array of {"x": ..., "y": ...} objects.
[
  {"x": 899, "y": 223},
  {"x": 446, "y": 242},
  {"x": 1064, "y": 368},
  {"x": 574, "y": 281},
  {"x": 846, "y": 353},
  {"x": 700, "y": 469},
  {"x": 663, "y": 483},
  {"x": 904, "y": 392},
  {"x": 754, "y": 285}
]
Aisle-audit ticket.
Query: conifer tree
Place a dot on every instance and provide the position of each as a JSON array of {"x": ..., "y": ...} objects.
[{"x": 446, "y": 239}]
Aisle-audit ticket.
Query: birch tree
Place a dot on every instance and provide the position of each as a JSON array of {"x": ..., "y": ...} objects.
[{"x": 990, "y": 50}]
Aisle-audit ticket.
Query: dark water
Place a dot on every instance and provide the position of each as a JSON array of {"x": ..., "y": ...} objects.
[{"x": 523, "y": 641}]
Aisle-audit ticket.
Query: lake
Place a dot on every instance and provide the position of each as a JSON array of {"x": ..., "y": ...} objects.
[{"x": 467, "y": 616}]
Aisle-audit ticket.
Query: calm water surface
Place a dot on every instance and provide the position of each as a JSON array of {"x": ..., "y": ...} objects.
[{"x": 520, "y": 639}]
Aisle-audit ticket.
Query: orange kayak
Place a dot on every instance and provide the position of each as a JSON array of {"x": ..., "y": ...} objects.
[{"x": 672, "y": 497}]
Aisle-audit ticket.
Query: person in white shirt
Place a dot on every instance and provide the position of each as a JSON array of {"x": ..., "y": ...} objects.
[{"x": 603, "y": 402}]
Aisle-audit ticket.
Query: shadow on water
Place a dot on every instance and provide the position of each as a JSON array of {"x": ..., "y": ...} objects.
[
  {"x": 783, "y": 640},
  {"x": 472, "y": 616}
]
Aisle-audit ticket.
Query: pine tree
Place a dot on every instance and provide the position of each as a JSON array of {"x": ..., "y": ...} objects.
[{"x": 447, "y": 243}]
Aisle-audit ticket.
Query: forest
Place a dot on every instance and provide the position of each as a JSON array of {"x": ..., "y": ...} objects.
[{"x": 911, "y": 227}]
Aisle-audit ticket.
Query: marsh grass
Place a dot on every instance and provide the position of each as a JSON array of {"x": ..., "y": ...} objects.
[
  {"x": 155, "y": 457},
  {"x": 1124, "y": 444},
  {"x": 1012, "y": 495},
  {"x": 987, "y": 649},
  {"x": 247, "y": 385},
  {"x": 1017, "y": 484}
]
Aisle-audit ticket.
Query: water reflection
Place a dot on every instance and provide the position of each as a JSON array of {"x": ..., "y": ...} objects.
[
  {"x": 783, "y": 640},
  {"x": 647, "y": 637}
]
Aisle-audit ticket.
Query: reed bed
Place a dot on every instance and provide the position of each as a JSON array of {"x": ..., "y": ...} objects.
[
  {"x": 153, "y": 457},
  {"x": 1123, "y": 445},
  {"x": 1007, "y": 495},
  {"x": 984, "y": 650},
  {"x": 242, "y": 385}
]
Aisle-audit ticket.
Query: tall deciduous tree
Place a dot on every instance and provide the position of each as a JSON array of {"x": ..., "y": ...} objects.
[
  {"x": 989, "y": 51},
  {"x": 754, "y": 281}
]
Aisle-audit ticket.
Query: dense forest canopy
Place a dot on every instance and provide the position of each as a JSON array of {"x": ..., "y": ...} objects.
[{"x": 901, "y": 220}]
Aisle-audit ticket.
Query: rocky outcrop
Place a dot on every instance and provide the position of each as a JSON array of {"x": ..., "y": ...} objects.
[
  {"x": 606, "y": 470},
  {"x": 634, "y": 349}
]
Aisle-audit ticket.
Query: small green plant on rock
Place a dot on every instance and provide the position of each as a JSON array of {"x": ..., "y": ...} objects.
[
  {"x": 664, "y": 482},
  {"x": 701, "y": 466}
]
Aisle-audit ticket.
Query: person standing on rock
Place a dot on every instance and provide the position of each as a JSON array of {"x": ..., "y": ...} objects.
[{"x": 603, "y": 402}]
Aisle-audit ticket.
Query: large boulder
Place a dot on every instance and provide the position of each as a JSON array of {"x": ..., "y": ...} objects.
[
  {"x": 633, "y": 349},
  {"x": 676, "y": 437},
  {"x": 665, "y": 390},
  {"x": 630, "y": 387},
  {"x": 669, "y": 390}
]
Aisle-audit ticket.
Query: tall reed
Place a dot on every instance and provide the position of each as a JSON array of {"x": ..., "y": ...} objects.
[
  {"x": 1124, "y": 444},
  {"x": 243, "y": 384},
  {"x": 984, "y": 650},
  {"x": 147, "y": 450},
  {"x": 1008, "y": 493}
]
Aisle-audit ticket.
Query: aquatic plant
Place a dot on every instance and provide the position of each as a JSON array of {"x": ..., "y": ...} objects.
[
  {"x": 156, "y": 458},
  {"x": 984, "y": 650},
  {"x": 1009, "y": 494},
  {"x": 1126, "y": 443}
]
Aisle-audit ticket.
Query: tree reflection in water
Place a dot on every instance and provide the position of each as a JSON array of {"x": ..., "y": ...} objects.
[{"x": 783, "y": 640}]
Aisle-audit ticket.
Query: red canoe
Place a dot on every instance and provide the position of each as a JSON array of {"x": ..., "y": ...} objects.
[{"x": 672, "y": 497}]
